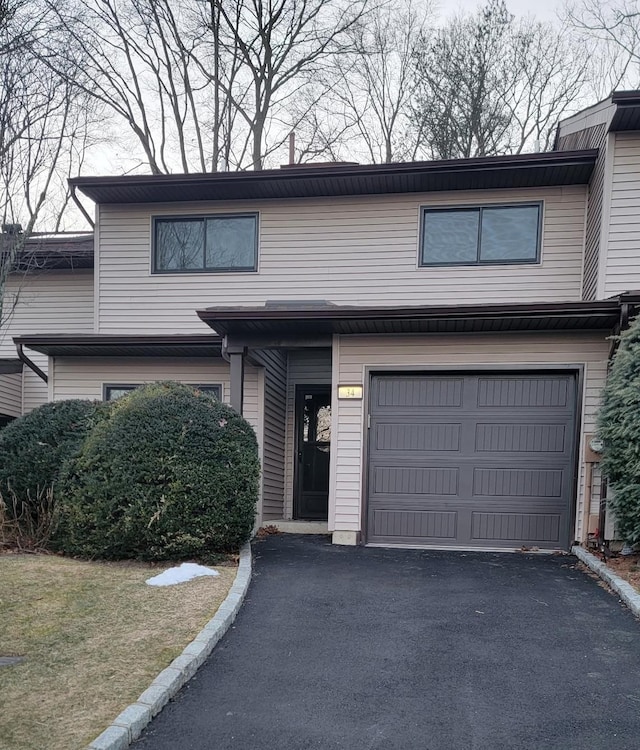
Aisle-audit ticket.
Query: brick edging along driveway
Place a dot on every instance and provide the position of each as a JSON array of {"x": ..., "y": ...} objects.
[{"x": 625, "y": 590}]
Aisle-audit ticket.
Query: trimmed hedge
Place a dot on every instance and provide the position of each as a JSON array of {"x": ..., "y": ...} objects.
[
  {"x": 169, "y": 474},
  {"x": 34, "y": 447}
]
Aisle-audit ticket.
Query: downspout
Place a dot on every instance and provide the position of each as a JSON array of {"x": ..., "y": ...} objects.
[
  {"x": 586, "y": 509},
  {"x": 30, "y": 363},
  {"x": 83, "y": 210},
  {"x": 602, "y": 516},
  {"x": 223, "y": 350},
  {"x": 623, "y": 324}
]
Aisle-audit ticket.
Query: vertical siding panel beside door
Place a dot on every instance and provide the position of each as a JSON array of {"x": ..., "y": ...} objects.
[
  {"x": 273, "y": 420},
  {"x": 500, "y": 351}
]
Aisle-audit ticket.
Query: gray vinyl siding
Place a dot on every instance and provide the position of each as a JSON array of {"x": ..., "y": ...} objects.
[
  {"x": 305, "y": 367},
  {"x": 594, "y": 137},
  {"x": 623, "y": 254},
  {"x": 47, "y": 302},
  {"x": 591, "y": 137},
  {"x": 274, "y": 363},
  {"x": 353, "y": 354},
  {"x": 75, "y": 377},
  {"x": 11, "y": 394},
  {"x": 575, "y": 132},
  {"x": 353, "y": 250},
  {"x": 34, "y": 390}
]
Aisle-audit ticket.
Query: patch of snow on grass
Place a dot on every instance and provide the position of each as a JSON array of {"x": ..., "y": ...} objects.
[{"x": 180, "y": 574}]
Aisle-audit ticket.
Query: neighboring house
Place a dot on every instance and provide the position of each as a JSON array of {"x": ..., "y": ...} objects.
[
  {"x": 420, "y": 347},
  {"x": 50, "y": 291}
]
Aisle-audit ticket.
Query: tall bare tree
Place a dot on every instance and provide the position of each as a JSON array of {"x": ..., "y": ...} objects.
[
  {"x": 611, "y": 29},
  {"x": 200, "y": 83},
  {"x": 134, "y": 58},
  {"x": 367, "y": 104},
  {"x": 554, "y": 76},
  {"x": 490, "y": 84},
  {"x": 43, "y": 137},
  {"x": 283, "y": 45}
]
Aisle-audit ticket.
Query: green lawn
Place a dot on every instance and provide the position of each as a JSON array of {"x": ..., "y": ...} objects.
[{"x": 94, "y": 636}]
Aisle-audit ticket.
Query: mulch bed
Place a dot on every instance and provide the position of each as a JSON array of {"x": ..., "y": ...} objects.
[{"x": 627, "y": 567}]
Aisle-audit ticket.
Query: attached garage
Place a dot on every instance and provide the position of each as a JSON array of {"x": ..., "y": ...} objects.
[{"x": 483, "y": 459}]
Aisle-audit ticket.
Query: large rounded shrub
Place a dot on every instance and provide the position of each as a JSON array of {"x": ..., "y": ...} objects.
[
  {"x": 169, "y": 474},
  {"x": 619, "y": 428},
  {"x": 34, "y": 447}
]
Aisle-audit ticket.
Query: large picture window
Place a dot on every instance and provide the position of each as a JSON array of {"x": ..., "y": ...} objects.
[
  {"x": 205, "y": 244},
  {"x": 481, "y": 235}
]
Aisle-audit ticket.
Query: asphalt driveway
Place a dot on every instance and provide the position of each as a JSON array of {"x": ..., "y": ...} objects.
[{"x": 341, "y": 647}]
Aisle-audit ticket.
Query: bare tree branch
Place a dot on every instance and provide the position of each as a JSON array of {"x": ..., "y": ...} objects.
[
  {"x": 44, "y": 131},
  {"x": 611, "y": 31},
  {"x": 490, "y": 84}
]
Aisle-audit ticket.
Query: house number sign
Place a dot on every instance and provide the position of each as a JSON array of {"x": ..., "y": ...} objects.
[{"x": 350, "y": 391}]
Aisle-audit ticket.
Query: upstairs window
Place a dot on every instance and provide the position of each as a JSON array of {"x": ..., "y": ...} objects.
[
  {"x": 206, "y": 244},
  {"x": 483, "y": 235}
]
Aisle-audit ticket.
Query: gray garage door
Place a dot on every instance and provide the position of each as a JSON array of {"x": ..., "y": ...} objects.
[{"x": 482, "y": 460}]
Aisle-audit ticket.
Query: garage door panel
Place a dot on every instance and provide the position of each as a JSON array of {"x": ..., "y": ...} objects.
[
  {"x": 496, "y": 437},
  {"x": 436, "y": 525},
  {"x": 523, "y": 392},
  {"x": 384, "y": 501},
  {"x": 497, "y": 470},
  {"x": 417, "y": 437},
  {"x": 487, "y": 529},
  {"x": 497, "y": 482},
  {"x": 415, "y": 480},
  {"x": 519, "y": 527},
  {"x": 408, "y": 392}
]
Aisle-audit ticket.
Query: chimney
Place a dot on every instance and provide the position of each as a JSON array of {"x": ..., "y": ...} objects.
[
  {"x": 12, "y": 229},
  {"x": 292, "y": 147}
]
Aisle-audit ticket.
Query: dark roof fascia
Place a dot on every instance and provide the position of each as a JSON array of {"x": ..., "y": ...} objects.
[
  {"x": 115, "y": 345},
  {"x": 521, "y": 170},
  {"x": 626, "y": 97},
  {"x": 353, "y": 312},
  {"x": 629, "y": 298},
  {"x": 47, "y": 252},
  {"x": 600, "y": 315},
  {"x": 627, "y": 114},
  {"x": 51, "y": 261},
  {"x": 10, "y": 366}
]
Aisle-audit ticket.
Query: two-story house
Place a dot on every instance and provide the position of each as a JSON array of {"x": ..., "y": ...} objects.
[{"x": 420, "y": 347}]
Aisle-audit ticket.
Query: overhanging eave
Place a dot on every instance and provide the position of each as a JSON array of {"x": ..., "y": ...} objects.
[
  {"x": 107, "y": 345},
  {"x": 10, "y": 366},
  {"x": 273, "y": 323},
  {"x": 306, "y": 181}
]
